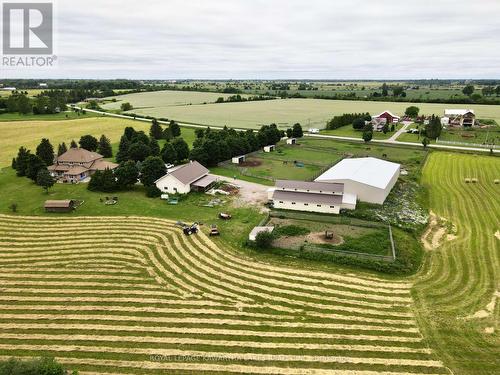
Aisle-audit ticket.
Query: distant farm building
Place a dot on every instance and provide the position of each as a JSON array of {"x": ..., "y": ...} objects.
[
  {"x": 238, "y": 159},
  {"x": 311, "y": 196},
  {"x": 291, "y": 141},
  {"x": 370, "y": 179},
  {"x": 269, "y": 148},
  {"x": 185, "y": 178},
  {"x": 59, "y": 205},
  {"x": 78, "y": 164},
  {"x": 460, "y": 117},
  {"x": 313, "y": 130},
  {"x": 387, "y": 117}
]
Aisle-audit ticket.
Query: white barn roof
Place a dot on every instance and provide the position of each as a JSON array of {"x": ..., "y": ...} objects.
[
  {"x": 457, "y": 112},
  {"x": 370, "y": 171}
]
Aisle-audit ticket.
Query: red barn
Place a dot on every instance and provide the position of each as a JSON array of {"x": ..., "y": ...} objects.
[{"x": 388, "y": 116}]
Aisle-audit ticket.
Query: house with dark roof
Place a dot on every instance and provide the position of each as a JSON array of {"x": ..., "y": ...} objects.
[
  {"x": 185, "y": 178},
  {"x": 78, "y": 164},
  {"x": 311, "y": 196}
]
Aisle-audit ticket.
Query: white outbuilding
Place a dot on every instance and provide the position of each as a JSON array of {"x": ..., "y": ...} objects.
[
  {"x": 269, "y": 148},
  {"x": 369, "y": 179},
  {"x": 185, "y": 178}
]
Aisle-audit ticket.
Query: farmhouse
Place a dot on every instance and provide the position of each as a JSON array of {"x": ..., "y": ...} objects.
[
  {"x": 387, "y": 117},
  {"x": 459, "y": 117},
  {"x": 370, "y": 179},
  {"x": 77, "y": 164},
  {"x": 184, "y": 178},
  {"x": 311, "y": 196}
]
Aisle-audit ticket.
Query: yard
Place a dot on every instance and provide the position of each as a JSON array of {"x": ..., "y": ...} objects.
[{"x": 349, "y": 131}]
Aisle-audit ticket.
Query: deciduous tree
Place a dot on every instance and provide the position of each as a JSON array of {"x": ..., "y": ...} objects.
[
  {"x": 152, "y": 169},
  {"x": 44, "y": 179}
]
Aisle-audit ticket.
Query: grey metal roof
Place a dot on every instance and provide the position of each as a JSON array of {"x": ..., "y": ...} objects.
[
  {"x": 204, "y": 181},
  {"x": 324, "y": 187},
  {"x": 190, "y": 172},
  {"x": 301, "y": 197}
]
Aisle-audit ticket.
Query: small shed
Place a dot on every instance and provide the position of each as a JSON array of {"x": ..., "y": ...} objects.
[
  {"x": 66, "y": 205},
  {"x": 269, "y": 148},
  {"x": 313, "y": 130},
  {"x": 291, "y": 141},
  {"x": 238, "y": 159},
  {"x": 255, "y": 231}
]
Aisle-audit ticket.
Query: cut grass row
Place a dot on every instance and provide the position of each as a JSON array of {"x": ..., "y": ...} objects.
[{"x": 253, "y": 316}]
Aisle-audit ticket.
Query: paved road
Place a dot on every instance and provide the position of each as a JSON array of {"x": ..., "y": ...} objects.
[{"x": 391, "y": 140}]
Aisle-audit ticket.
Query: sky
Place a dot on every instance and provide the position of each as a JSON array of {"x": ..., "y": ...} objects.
[{"x": 273, "y": 39}]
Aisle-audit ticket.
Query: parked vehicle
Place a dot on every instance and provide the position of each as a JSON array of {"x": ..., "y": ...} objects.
[{"x": 214, "y": 231}]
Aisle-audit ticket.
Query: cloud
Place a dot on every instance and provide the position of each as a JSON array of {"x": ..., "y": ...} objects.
[{"x": 316, "y": 39}]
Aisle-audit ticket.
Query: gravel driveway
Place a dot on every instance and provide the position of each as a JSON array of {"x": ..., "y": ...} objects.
[{"x": 250, "y": 192}]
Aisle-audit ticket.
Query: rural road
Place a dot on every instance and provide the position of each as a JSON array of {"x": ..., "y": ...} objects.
[{"x": 389, "y": 141}]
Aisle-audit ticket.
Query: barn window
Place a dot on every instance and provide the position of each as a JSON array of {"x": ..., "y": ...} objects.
[
  {"x": 332, "y": 206},
  {"x": 318, "y": 205},
  {"x": 281, "y": 201},
  {"x": 293, "y": 202},
  {"x": 306, "y": 204}
]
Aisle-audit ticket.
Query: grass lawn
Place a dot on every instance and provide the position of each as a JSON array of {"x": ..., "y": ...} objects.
[
  {"x": 29, "y": 133},
  {"x": 30, "y": 199},
  {"x": 472, "y": 135},
  {"x": 348, "y": 131}
]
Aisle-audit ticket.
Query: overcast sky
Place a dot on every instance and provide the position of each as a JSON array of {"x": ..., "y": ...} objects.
[{"x": 265, "y": 39}]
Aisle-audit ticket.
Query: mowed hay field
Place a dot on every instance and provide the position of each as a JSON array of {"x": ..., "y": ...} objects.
[
  {"x": 29, "y": 133},
  {"x": 134, "y": 295},
  {"x": 286, "y": 112},
  {"x": 166, "y": 98},
  {"x": 457, "y": 291}
]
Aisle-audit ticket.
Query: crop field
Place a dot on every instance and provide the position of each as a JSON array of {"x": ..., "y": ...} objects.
[
  {"x": 134, "y": 295},
  {"x": 286, "y": 112},
  {"x": 162, "y": 99},
  {"x": 457, "y": 290},
  {"x": 29, "y": 133}
]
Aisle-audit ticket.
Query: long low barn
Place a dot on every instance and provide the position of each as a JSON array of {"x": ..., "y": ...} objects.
[{"x": 370, "y": 179}]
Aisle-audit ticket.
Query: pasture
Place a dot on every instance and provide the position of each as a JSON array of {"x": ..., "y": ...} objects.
[
  {"x": 457, "y": 289},
  {"x": 30, "y": 132},
  {"x": 134, "y": 295},
  {"x": 316, "y": 155},
  {"x": 162, "y": 99},
  {"x": 286, "y": 112}
]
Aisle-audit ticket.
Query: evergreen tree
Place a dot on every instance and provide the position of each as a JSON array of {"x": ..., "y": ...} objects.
[
  {"x": 44, "y": 179},
  {"x": 126, "y": 174},
  {"x": 155, "y": 131},
  {"x": 154, "y": 147},
  {"x": 433, "y": 128},
  {"x": 95, "y": 182},
  {"x": 45, "y": 151},
  {"x": 108, "y": 181},
  {"x": 200, "y": 155},
  {"x": 289, "y": 132},
  {"x": 35, "y": 163},
  {"x": 73, "y": 144},
  {"x": 168, "y": 153},
  {"x": 367, "y": 135},
  {"x": 123, "y": 147},
  {"x": 297, "y": 131},
  {"x": 22, "y": 161},
  {"x": 61, "y": 149},
  {"x": 138, "y": 151},
  {"x": 385, "y": 128},
  {"x": 181, "y": 149},
  {"x": 152, "y": 169},
  {"x": 175, "y": 129},
  {"x": 129, "y": 132},
  {"x": 104, "y": 147},
  {"x": 199, "y": 133},
  {"x": 89, "y": 143},
  {"x": 167, "y": 135}
]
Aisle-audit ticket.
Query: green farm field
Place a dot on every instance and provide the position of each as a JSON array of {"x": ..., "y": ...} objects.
[
  {"x": 30, "y": 132},
  {"x": 457, "y": 289},
  {"x": 286, "y": 112},
  {"x": 163, "y": 99}
]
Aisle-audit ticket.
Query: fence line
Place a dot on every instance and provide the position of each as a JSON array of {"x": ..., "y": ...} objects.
[{"x": 468, "y": 144}]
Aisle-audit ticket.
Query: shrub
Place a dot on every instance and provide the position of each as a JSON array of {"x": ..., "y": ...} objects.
[
  {"x": 152, "y": 191},
  {"x": 291, "y": 230},
  {"x": 263, "y": 240}
]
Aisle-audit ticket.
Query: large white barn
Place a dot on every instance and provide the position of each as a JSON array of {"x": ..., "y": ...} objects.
[{"x": 370, "y": 179}]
